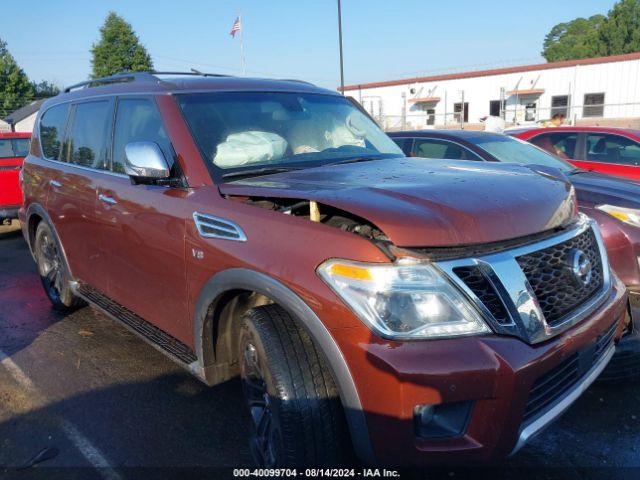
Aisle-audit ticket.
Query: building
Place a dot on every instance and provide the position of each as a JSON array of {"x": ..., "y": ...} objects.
[
  {"x": 4, "y": 126},
  {"x": 591, "y": 91},
  {"x": 23, "y": 119}
]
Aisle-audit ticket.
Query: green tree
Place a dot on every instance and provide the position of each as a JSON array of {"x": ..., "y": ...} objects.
[
  {"x": 620, "y": 32},
  {"x": 119, "y": 49},
  {"x": 45, "y": 89},
  {"x": 15, "y": 89},
  {"x": 575, "y": 39}
]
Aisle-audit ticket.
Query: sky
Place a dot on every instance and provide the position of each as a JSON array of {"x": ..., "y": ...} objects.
[{"x": 383, "y": 40}]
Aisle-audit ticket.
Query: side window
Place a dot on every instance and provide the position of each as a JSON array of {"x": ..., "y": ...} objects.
[
  {"x": 432, "y": 148},
  {"x": 612, "y": 149},
  {"x": 138, "y": 120},
  {"x": 6, "y": 148},
  {"x": 87, "y": 139},
  {"x": 404, "y": 144},
  {"x": 21, "y": 147},
  {"x": 562, "y": 145},
  {"x": 52, "y": 129}
]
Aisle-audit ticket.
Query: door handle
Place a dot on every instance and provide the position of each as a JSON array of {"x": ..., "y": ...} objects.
[
  {"x": 105, "y": 199},
  {"x": 55, "y": 183}
]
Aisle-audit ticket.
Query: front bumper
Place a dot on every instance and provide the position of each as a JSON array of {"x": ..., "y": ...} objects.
[
  {"x": 625, "y": 364},
  {"x": 494, "y": 373}
]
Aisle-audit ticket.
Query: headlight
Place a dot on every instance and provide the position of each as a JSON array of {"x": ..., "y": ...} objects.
[
  {"x": 627, "y": 215},
  {"x": 403, "y": 300}
]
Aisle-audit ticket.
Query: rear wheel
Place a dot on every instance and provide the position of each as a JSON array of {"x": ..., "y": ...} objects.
[
  {"x": 296, "y": 414},
  {"x": 52, "y": 269}
]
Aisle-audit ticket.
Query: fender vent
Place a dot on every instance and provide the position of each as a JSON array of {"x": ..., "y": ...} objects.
[{"x": 215, "y": 227}]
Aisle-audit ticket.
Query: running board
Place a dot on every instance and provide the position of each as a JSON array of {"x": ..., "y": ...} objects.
[{"x": 159, "y": 339}]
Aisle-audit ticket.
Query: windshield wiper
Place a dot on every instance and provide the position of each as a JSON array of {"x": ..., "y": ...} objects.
[
  {"x": 352, "y": 160},
  {"x": 256, "y": 172}
]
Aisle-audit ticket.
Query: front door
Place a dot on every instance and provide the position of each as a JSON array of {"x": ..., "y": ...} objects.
[{"x": 143, "y": 228}]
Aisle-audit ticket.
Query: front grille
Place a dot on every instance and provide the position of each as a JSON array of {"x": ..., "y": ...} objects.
[
  {"x": 554, "y": 384},
  {"x": 550, "y": 275},
  {"x": 480, "y": 286}
]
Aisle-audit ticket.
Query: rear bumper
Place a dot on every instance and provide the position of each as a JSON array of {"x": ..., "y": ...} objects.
[{"x": 9, "y": 212}]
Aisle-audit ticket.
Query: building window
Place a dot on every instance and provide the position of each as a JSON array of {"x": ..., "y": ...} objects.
[
  {"x": 560, "y": 105},
  {"x": 431, "y": 116},
  {"x": 495, "y": 109},
  {"x": 593, "y": 105},
  {"x": 457, "y": 109},
  {"x": 530, "y": 112}
]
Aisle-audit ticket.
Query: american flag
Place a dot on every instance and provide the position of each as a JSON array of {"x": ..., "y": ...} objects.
[{"x": 235, "y": 28}]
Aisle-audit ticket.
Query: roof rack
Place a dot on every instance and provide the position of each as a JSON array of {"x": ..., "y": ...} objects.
[
  {"x": 151, "y": 75},
  {"x": 296, "y": 80}
]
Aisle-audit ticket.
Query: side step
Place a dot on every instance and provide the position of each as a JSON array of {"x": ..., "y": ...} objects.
[{"x": 162, "y": 341}]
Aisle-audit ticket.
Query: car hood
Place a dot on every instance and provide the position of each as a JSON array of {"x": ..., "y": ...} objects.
[
  {"x": 595, "y": 188},
  {"x": 436, "y": 204}
]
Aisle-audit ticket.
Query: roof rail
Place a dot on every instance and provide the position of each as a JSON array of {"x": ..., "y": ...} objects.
[
  {"x": 296, "y": 80},
  {"x": 151, "y": 75}
]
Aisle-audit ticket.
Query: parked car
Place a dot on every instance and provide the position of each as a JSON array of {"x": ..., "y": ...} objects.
[
  {"x": 269, "y": 229},
  {"x": 13, "y": 149},
  {"x": 612, "y": 151},
  {"x": 614, "y": 202}
]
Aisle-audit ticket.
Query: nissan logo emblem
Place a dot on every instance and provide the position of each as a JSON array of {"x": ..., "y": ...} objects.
[{"x": 581, "y": 267}]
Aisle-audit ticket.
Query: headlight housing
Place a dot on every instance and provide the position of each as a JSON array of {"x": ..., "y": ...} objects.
[
  {"x": 403, "y": 300},
  {"x": 626, "y": 215}
]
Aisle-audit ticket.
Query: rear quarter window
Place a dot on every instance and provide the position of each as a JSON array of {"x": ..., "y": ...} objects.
[{"x": 52, "y": 130}]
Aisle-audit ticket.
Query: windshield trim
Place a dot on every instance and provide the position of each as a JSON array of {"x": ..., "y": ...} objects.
[{"x": 217, "y": 174}]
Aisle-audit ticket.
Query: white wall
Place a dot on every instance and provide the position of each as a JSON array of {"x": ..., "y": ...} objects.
[
  {"x": 26, "y": 124},
  {"x": 618, "y": 80}
]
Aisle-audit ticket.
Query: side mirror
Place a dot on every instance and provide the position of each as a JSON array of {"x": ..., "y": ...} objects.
[{"x": 145, "y": 161}]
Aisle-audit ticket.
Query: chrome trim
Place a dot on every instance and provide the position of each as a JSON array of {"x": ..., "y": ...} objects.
[
  {"x": 210, "y": 226},
  {"x": 505, "y": 274},
  {"x": 81, "y": 167},
  {"x": 109, "y": 200},
  {"x": 559, "y": 408}
]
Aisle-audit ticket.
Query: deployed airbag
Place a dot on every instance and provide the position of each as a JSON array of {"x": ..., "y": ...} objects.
[{"x": 249, "y": 147}]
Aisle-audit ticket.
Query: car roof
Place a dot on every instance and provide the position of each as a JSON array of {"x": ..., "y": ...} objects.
[
  {"x": 468, "y": 135},
  {"x": 15, "y": 135},
  {"x": 596, "y": 129},
  {"x": 182, "y": 82}
]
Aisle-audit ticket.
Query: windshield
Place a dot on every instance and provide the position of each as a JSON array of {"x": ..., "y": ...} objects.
[
  {"x": 514, "y": 150},
  {"x": 262, "y": 130}
]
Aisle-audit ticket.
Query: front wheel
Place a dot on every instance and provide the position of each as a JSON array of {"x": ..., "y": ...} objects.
[
  {"x": 53, "y": 272},
  {"x": 296, "y": 414}
]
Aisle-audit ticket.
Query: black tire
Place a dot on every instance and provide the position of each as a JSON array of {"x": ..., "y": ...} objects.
[
  {"x": 53, "y": 271},
  {"x": 296, "y": 415}
]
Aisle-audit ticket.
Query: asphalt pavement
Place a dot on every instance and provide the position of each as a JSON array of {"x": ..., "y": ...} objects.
[{"x": 81, "y": 397}]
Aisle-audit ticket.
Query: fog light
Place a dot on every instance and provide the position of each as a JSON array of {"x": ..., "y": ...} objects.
[{"x": 445, "y": 420}]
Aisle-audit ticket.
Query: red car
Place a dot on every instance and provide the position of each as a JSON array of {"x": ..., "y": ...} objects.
[
  {"x": 613, "y": 151},
  {"x": 13, "y": 148}
]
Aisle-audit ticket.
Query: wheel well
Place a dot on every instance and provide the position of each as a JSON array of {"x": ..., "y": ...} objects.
[
  {"x": 224, "y": 316},
  {"x": 34, "y": 221}
]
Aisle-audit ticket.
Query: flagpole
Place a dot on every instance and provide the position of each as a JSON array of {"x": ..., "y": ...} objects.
[
  {"x": 244, "y": 69},
  {"x": 340, "y": 42}
]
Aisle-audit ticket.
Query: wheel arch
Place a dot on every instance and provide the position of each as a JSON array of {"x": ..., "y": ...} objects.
[{"x": 226, "y": 286}]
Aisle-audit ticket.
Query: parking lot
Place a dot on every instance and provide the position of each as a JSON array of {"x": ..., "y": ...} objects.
[{"x": 94, "y": 395}]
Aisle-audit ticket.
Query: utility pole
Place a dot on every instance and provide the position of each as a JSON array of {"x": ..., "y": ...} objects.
[{"x": 340, "y": 41}]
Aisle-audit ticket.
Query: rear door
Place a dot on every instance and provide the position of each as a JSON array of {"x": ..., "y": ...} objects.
[
  {"x": 611, "y": 154},
  {"x": 12, "y": 153},
  {"x": 142, "y": 227},
  {"x": 82, "y": 163}
]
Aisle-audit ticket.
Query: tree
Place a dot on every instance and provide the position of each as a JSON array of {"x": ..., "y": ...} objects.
[
  {"x": 575, "y": 39},
  {"x": 45, "y": 89},
  {"x": 15, "y": 89},
  {"x": 620, "y": 32},
  {"x": 119, "y": 49}
]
